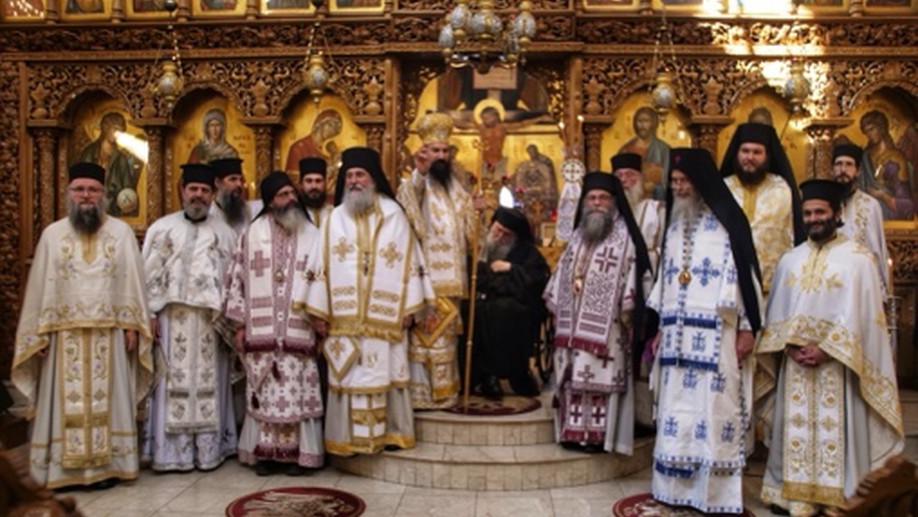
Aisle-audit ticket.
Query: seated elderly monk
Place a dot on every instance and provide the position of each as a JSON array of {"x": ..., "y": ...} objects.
[{"x": 508, "y": 309}]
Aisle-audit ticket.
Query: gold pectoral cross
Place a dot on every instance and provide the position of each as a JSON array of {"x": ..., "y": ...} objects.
[{"x": 685, "y": 277}]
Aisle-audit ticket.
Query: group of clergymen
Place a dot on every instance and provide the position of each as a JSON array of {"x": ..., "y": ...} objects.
[{"x": 374, "y": 287}]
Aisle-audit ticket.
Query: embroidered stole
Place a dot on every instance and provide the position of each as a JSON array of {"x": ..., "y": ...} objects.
[
  {"x": 85, "y": 366},
  {"x": 442, "y": 220},
  {"x": 691, "y": 314},
  {"x": 191, "y": 392},
  {"x": 584, "y": 321}
]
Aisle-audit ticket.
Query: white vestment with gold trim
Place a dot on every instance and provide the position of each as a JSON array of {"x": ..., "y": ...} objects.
[
  {"x": 832, "y": 424},
  {"x": 443, "y": 221},
  {"x": 190, "y": 422},
  {"x": 83, "y": 291},
  {"x": 768, "y": 208},
  {"x": 863, "y": 219},
  {"x": 365, "y": 278}
]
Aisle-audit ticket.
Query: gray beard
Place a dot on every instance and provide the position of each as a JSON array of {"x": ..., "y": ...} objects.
[
  {"x": 359, "y": 202},
  {"x": 596, "y": 225},
  {"x": 686, "y": 208},
  {"x": 494, "y": 249},
  {"x": 86, "y": 221},
  {"x": 291, "y": 217},
  {"x": 196, "y": 211},
  {"x": 233, "y": 207},
  {"x": 635, "y": 194}
]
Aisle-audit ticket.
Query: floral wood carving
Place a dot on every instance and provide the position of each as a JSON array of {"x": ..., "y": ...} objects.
[
  {"x": 849, "y": 80},
  {"x": 552, "y": 77},
  {"x": 419, "y": 21},
  {"x": 413, "y": 29},
  {"x": 62, "y": 83},
  {"x": 10, "y": 222},
  {"x": 444, "y": 5},
  {"x": 554, "y": 28},
  {"x": 619, "y": 78},
  {"x": 903, "y": 250}
]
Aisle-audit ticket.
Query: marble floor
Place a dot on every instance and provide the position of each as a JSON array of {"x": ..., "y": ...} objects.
[{"x": 198, "y": 494}]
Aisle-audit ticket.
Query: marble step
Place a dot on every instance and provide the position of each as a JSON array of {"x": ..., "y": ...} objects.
[
  {"x": 440, "y": 427},
  {"x": 496, "y": 467}
]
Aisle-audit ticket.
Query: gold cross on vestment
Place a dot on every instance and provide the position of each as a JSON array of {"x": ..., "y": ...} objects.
[
  {"x": 336, "y": 348},
  {"x": 391, "y": 254},
  {"x": 342, "y": 249}
]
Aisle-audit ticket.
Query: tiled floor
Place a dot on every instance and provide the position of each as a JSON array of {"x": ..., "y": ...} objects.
[
  {"x": 207, "y": 494},
  {"x": 199, "y": 494}
]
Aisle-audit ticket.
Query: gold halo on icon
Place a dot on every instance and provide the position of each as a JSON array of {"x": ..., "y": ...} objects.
[{"x": 488, "y": 103}]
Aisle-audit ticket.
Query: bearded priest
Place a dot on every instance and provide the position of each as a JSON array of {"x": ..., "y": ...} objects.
[
  {"x": 365, "y": 286},
  {"x": 836, "y": 413},
  {"x": 83, "y": 355}
]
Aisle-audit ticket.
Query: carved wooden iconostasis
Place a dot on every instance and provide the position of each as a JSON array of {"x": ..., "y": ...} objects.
[{"x": 70, "y": 67}]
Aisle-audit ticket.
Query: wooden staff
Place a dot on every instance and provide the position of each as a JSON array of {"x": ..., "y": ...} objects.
[{"x": 473, "y": 292}]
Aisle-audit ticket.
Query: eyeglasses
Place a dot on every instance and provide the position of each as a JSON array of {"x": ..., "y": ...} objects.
[{"x": 80, "y": 191}]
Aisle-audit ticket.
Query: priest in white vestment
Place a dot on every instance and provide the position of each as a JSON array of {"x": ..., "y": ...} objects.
[
  {"x": 365, "y": 284},
  {"x": 229, "y": 203},
  {"x": 758, "y": 174},
  {"x": 836, "y": 414},
  {"x": 83, "y": 357},
  {"x": 707, "y": 296},
  {"x": 283, "y": 423},
  {"x": 596, "y": 297},
  {"x": 190, "y": 421},
  {"x": 648, "y": 213},
  {"x": 441, "y": 214},
  {"x": 861, "y": 212}
]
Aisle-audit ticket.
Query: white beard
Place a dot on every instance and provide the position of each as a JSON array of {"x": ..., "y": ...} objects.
[
  {"x": 359, "y": 202},
  {"x": 635, "y": 194}
]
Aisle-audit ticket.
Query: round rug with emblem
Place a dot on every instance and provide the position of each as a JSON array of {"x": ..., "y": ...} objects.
[
  {"x": 644, "y": 505},
  {"x": 509, "y": 405},
  {"x": 297, "y": 501}
]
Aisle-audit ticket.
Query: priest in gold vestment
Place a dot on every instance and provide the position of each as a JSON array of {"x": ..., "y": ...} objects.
[
  {"x": 836, "y": 413},
  {"x": 83, "y": 354},
  {"x": 759, "y": 175},
  {"x": 441, "y": 214},
  {"x": 364, "y": 285}
]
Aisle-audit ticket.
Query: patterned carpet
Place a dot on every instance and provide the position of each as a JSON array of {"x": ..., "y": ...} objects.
[
  {"x": 643, "y": 505},
  {"x": 298, "y": 501},
  {"x": 509, "y": 405}
]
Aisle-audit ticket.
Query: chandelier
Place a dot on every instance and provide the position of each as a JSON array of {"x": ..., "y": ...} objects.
[
  {"x": 663, "y": 96},
  {"x": 171, "y": 81},
  {"x": 315, "y": 75},
  {"x": 474, "y": 35}
]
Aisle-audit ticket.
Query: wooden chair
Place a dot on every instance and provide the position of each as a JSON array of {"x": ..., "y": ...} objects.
[
  {"x": 21, "y": 496},
  {"x": 891, "y": 490}
]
